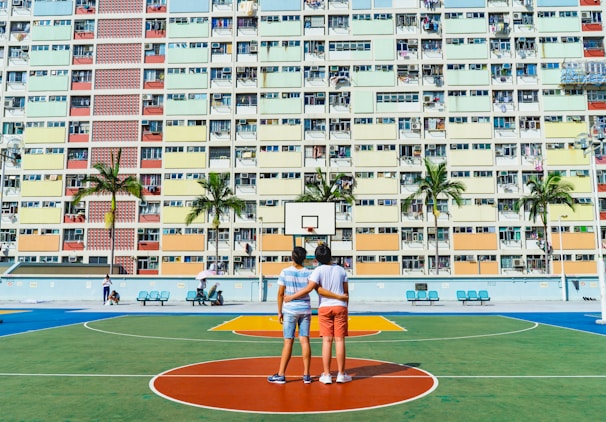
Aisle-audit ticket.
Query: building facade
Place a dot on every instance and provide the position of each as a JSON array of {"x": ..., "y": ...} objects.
[{"x": 271, "y": 90}]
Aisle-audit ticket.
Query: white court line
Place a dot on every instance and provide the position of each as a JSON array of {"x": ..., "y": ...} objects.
[
  {"x": 535, "y": 325},
  {"x": 349, "y": 339},
  {"x": 181, "y": 338},
  {"x": 555, "y": 326}
]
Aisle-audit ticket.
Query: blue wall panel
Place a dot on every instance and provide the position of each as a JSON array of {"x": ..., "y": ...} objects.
[
  {"x": 464, "y": 3},
  {"x": 53, "y": 8},
  {"x": 361, "y": 4},
  {"x": 557, "y": 3},
  {"x": 382, "y": 4},
  {"x": 280, "y": 5},
  {"x": 186, "y": 6}
]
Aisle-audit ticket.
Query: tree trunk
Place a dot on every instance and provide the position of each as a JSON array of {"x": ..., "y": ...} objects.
[
  {"x": 112, "y": 243},
  {"x": 547, "y": 246},
  {"x": 435, "y": 225},
  {"x": 217, "y": 250}
]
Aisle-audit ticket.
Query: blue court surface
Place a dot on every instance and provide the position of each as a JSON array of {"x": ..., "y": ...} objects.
[{"x": 16, "y": 321}]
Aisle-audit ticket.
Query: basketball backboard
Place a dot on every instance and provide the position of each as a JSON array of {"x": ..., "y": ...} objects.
[{"x": 309, "y": 218}]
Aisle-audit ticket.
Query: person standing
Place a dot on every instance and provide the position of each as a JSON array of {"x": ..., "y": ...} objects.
[
  {"x": 296, "y": 313},
  {"x": 107, "y": 282},
  {"x": 332, "y": 311}
]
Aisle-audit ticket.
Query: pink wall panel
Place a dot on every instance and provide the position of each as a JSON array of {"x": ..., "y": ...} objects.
[
  {"x": 111, "y": 131},
  {"x": 117, "y": 79}
]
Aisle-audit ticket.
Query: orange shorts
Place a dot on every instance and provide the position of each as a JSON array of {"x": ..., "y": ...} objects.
[{"x": 333, "y": 321}]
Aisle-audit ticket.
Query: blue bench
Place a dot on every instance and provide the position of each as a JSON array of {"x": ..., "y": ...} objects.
[
  {"x": 153, "y": 296},
  {"x": 193, "y": 297},
  {"x": 473, "y": 296},
  {"x": 422, "y": 296}
]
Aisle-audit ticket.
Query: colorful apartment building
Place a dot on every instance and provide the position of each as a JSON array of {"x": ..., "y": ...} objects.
[{"x": 270, "y": 90}]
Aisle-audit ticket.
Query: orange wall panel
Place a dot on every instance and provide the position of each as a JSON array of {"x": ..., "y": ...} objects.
[
  {"x": 577, "y": 267},
  {"x": 471, "y": 241},
  {"x": 183, "y": 242},
  {"x": 377, "y": 268},
  {"x": 278, "y": 242},
  {"x": 183, "y": 268},
  {"x": 471, "y": 268},
  {"x": 377, "y": 242},
  {"x": 574, "y": 241},
  {"x": 273, "y": 268},
  {"x": 39, "y": 243}
]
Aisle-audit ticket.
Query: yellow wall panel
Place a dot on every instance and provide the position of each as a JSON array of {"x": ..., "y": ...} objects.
[
  {"x": 177, "y": 215},
  {"x": 279, "y": 132},
  {"x": 185, "y": 133},
  {"x": 182, "y": 160},
  {"x": 293, "y": 160},
  {"x": 40, "y": 215},
  {"x": 42, "y": 188},
  {"x": 43, "y": 162},
  {"x": 377, "y": 214},
  {"x": 573, "y": 241},
  {"x": 44, "y": 135}
]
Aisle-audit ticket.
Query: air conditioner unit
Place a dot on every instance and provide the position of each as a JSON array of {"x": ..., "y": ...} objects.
[
  {"x": 143, "y": 204},
  {"x": 8, "y": 103},
  {"x": 415, "y": 126},
  {"x": 79, "y": 231},
  {"x": 517, "y": 15},
  {"x": 269, "y": 203},
  {"x": 2, "y": 23},
  {"x": 153, "y": 259},
  {"x": 227, "y": 70},
  {"x": 242, "y": 122},
  {"x": 253, "y": 48},
  {"x": 140, "y": 231},
  {"x": 144, "y": 122},
  {"x": 72, "y": 259},
  {"x": 314, "y": 68},
  {"x": 518, "y": 263},
  {"x": 428, "y": 99},
  {"x": 18, "y": 125},
  {"x": 240, "y": 69},
  {"x": 149, "y": 46},
  {"x": 237, "y": 259},
  {"x": 215, "y": 45},
  {"x": 244, "y": 175},
  {"x": 431, "y": 146},
  {"x": 217, "y": 96},
  {"x": 586, "y": 15},
  {"x": 148, "y": 97},
  {"x": 16, "y": 2}
]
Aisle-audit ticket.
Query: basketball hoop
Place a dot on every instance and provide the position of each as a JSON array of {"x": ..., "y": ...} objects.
[{"x": 310, "y": 230}]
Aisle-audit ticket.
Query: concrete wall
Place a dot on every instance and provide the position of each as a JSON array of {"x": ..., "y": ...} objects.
[{"x": 246, "y": 289}]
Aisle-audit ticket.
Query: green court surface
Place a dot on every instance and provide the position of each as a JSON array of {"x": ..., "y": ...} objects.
[{"x": 489, "y": 368}]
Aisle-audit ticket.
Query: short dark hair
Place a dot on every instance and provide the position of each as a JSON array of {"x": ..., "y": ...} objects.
[
  {"x": 298, "y": 255},
  {"x": 323, "y": 254}
]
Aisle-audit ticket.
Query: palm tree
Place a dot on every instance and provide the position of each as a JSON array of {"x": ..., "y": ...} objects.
[
  {"x": 323, "y": 191},
  {"x": 218, "y": 199},
  {"x": 435, "y": 184},
  {"x": 552, "y": 190},
  {"x": 109, "y": 181}
]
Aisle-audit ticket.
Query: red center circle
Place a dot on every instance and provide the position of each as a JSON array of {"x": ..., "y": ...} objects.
[{"x": 241, "y": 385}]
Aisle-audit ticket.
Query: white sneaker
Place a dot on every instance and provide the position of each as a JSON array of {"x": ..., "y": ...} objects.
[
  {"x": 325, "y": 379},
  {"x": 341, "y": 378}
]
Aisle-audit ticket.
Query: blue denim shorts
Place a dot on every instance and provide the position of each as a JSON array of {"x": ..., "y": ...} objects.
[{"x": 291, "y": 321}]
